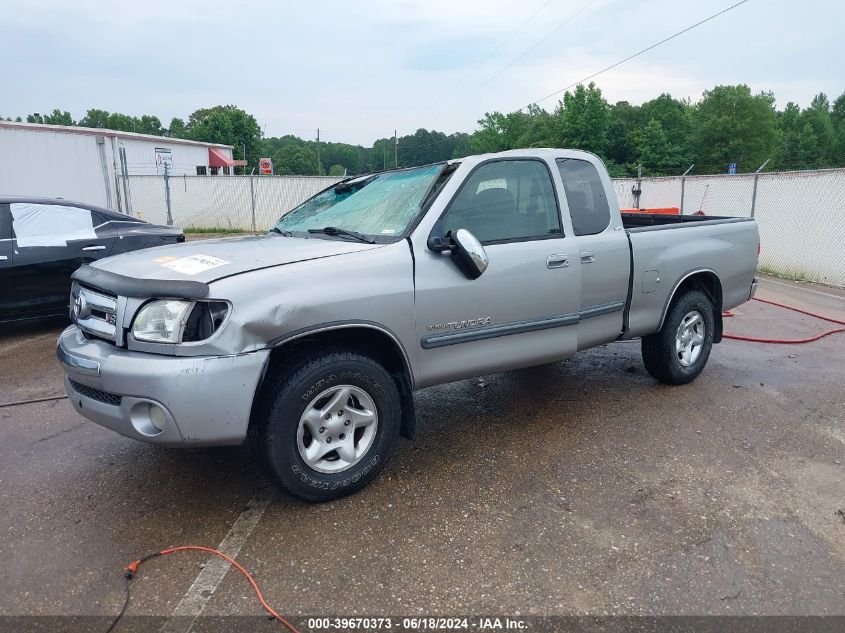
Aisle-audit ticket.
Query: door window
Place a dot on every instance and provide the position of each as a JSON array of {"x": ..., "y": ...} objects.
[
  {"x": 5, "y": 222},
  {"x": 50, "y": 224},
  {"x": 585, "y": 196},
  {"x": 504, "y": 201}
]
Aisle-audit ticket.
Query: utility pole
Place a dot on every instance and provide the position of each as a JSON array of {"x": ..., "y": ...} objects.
[
  {"x": 319, "y": 164},
  {"x": 244, "y": 167},
  {"x": 395, "y": 149}
]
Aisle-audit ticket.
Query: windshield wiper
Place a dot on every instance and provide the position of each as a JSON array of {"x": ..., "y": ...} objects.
[
  {"x": 334, "y": 230},
  {"x": 276, "y": 229}
]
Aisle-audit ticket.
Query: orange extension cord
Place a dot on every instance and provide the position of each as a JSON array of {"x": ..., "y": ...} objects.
[
  {"x": 132, "y": 569},
  {"x": 787, "y": 341}
]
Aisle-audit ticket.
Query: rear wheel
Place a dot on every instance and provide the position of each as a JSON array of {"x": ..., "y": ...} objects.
[
  {"x": 679, "y": 351},
  {"x": 325, "y": 426}
]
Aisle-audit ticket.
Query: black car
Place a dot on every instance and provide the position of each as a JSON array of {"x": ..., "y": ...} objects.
[{"x": 43, "y": 240}]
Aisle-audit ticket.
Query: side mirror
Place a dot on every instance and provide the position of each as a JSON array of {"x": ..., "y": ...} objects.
[{"x": 469, "y": 254}]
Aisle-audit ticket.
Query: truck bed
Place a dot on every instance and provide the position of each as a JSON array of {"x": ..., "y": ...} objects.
[{"x": 638, "y": 220}]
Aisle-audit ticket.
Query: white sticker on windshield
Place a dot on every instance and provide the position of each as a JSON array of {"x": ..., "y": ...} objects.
[
  {"x": 388, "y": 231},
  {"x": 194, "y": 264}
]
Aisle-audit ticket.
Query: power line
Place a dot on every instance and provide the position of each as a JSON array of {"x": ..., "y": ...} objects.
[
  {"x": 637, "y": 54},
  {"x": 483, "y": 61},
  {"x": 529, "y": 50}
]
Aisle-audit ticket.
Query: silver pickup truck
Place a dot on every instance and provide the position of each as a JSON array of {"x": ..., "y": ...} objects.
[{"x": 309, "y": 341}]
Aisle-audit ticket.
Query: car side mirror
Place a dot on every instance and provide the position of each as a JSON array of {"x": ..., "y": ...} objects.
[{"x": 467, "y": 251}]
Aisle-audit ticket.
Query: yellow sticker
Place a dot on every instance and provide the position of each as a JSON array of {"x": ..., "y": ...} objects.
[{"x": 164, "y": 258}]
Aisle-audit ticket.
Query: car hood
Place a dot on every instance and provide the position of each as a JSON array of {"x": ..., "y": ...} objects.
[{"x": 207, "y": 260}]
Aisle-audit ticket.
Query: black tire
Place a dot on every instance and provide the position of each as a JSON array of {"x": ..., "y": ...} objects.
[
  {"x": 283, "y": 400},
  {"x": 659, "y": 355}
]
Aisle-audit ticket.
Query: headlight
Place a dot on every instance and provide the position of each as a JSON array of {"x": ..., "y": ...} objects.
[{"x": 161, "y": 321}]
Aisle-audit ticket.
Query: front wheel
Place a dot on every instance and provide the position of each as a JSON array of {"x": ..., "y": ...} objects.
[
  {"x": 679, "y": 351},
  {"x": 325, "y": 427}
]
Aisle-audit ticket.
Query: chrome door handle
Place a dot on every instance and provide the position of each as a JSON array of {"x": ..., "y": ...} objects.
[
  {"x": 94, "y": 248},
  {"x": 557, "y": 261},
  {"x": 3, "y": 258},
  {"x": 587, "y": 257}
]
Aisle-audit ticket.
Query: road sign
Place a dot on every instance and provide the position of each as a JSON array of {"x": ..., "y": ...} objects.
[
  {"x": 265, "y": 166},
  {"x": 164, "y": 160},
  {"x": 732, "y": 169}
]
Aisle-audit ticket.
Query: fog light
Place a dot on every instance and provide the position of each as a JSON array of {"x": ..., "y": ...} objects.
[{"x": 158, "y": 417}]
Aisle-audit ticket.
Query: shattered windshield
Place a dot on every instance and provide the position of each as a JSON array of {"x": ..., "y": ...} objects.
[{"x": 379, "y": 205}]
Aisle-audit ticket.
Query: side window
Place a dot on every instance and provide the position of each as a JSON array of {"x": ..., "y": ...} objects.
[
  {"x": 5, "y": 222},
  {"x": 505, "y": 200},
  {"x": 585, "y": 196},
  {"x": 50, "y": 224}
]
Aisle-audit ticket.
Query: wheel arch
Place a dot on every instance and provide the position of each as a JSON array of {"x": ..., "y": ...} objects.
[
  {"x": 372, "y": 339},
  {"x": 707, "y": 281}
]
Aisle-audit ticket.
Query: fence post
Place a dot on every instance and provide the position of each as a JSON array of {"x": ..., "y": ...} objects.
[
  {"x": 125, "y": 177},
  {"x": 252, "y": 195},
  {"x": 638, "y": 187},
  {"x": 167, "y": 193},
  {"x": 683, "y": 180},
  {"x": 754, "y": 190}
]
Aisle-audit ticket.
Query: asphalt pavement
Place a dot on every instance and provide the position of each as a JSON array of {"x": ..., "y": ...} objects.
[{"x": 580, "y": 487}]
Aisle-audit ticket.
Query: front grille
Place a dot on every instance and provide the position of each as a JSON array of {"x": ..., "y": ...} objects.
[
  {"x": 94, "y": 312},
  {"x": 96, "y": 394}
]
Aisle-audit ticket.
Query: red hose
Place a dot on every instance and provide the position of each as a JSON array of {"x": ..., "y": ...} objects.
[
  {"x": 787, "y": 341},
  {"x": 132, "y": 569}
]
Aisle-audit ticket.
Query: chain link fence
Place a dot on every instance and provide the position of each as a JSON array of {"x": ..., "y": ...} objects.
[
  {"x": 243, "y": 203},
  {"x": 801, "y": 214}
]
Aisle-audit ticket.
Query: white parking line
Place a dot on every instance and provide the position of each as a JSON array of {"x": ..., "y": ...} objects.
[{"x": 195, "y": 600}]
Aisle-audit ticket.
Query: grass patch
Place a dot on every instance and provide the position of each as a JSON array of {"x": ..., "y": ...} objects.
[
  {"x": 789, "y": 276},
  {"x": 213, "y": 229}
]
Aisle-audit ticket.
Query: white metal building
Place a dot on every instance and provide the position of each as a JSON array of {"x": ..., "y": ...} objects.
[{"x": 87, "y": 164}]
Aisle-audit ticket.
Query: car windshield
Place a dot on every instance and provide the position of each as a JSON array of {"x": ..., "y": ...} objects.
[{"x": 377, "y": 206}]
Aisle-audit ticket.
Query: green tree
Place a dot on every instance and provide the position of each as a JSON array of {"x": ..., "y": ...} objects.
[
  {"x": 295, "y": 160},
  {"x": 789, "y": 125},
  {"x": 819, "y": 118},
  {"x": 581, "y": 120},
  {"x": 837, "y": 116},
  {"x": 176, "y": 129},
  {"x": 623, "y": 119},
  {"x": 123, "y": 122},
  {"x": 651, "y": 148},
  {"x": 95, "y": 118},
  {"x": 57, "y": 117},
  {"x": 149, "y": 125},
  {"x": 732, "y": 125},
  {"x": 228, "y": 125},
  {"x": 337, "y": 170},
  {"x": 807, "y": 150}
]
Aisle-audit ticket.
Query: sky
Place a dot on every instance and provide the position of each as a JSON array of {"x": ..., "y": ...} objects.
[{"x": 359, "y": 70}]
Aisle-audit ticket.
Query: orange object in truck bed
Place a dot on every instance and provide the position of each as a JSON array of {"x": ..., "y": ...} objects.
[{"x": 656, "y": 210}]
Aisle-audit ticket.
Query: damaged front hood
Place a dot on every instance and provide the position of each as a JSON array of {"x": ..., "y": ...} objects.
[{"x": 207, "y": 260}]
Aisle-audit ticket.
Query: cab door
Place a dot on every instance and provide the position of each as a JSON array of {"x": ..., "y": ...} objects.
[
  {"x": 602, "y": 254},
  {"x": 523, "y": 310},
  {"x": 50, "y": 241}
]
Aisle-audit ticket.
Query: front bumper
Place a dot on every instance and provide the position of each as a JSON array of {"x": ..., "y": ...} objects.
[{"x": 206, "y": 400}]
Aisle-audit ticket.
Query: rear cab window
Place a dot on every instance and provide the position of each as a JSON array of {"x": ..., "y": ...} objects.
[{"x": 585, "y": 196}]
